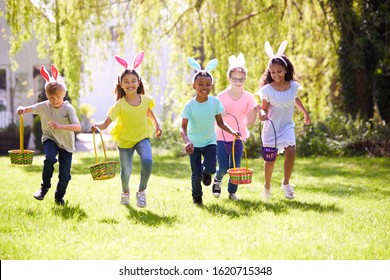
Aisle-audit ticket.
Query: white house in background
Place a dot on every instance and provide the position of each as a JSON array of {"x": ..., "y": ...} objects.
[
  {"x": 28, "y": 83},
  {"x": 25, "y": 83}
]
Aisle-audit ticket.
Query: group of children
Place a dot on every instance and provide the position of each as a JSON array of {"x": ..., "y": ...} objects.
[{"x": 205, "y": 119}]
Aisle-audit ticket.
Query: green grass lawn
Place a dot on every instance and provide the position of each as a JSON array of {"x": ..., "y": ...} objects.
[{"x": 341, "y": 212}]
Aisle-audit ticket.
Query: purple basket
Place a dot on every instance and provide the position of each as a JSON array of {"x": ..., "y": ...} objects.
[{"x": 270, "y": 153}]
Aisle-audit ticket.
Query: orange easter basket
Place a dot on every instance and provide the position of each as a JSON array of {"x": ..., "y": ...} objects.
[
  {"x": 240, "y": 175},
  {"x": 102, "y": 170},
  {"x": 21, "y": 156}
]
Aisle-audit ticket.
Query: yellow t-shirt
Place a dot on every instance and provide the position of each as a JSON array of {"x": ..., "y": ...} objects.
[{"x": 132, "y": 125}]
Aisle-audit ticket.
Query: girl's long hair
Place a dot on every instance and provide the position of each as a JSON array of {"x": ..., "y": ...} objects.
[
  {"x": 290, "y": 73},
  {"x": 119, "y": 92}
]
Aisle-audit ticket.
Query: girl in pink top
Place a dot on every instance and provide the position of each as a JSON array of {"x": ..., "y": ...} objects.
[{"x": 240, "y": 111}]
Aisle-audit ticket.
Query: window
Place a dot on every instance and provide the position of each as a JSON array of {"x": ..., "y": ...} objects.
[{"x": 3, "y": 80}]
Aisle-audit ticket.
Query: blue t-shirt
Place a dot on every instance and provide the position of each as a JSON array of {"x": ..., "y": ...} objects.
[{"x": 201, "y": 118}]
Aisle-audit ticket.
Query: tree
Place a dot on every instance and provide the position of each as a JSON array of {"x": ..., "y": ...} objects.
[
  {"x": 63, "y": 31},
  {"x": 363, "y": 47},
  {"x": 198, "y": 28}
]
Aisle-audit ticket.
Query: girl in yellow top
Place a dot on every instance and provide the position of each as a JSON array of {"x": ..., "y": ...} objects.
[{"x": 132, "y": 130}]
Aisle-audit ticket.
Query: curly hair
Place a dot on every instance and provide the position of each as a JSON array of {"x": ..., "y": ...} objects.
[{"x": 290, "y": 72}]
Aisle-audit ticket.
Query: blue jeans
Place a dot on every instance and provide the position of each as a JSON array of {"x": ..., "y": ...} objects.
[
  {"x": 225, "y": 160},
  {"x": 51, "y": 151},
  {"x": 208, "y": 166},
  {"x": 144, "y": 150}
]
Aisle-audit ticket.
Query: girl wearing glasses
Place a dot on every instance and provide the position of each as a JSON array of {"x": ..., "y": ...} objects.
[{"x": 240, "y": 111}]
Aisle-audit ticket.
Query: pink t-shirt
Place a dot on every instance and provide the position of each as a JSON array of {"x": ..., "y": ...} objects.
[{"x": 239, "y": 109}]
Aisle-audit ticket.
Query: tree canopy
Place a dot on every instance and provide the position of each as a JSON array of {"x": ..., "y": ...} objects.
[{"x": 323, "y": 36}]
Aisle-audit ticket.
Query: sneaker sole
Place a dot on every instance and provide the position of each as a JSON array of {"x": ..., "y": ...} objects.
[
  {"x": 38, "y": 198},
  {"x": 216, "y": 195}
]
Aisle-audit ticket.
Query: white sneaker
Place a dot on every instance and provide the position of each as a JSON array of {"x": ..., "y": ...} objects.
[
  {"x": 141, "y": 199},
  {"x": 125, "y": 198},
  {"x": 216, "y": 188},
  {"x": 233, "y": 196},
  {"x": 288, "y": 191},
  {"x": 267, "y": 193}
]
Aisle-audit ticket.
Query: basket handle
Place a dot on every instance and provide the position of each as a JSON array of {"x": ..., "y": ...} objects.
[
  {"x": 94, "y": 146},
  {"x": 276, "y": 142},
  {"x": 238, "y": 126},
  {"x": 21, "y": 133},
  {"x": 234, "y": 160}
]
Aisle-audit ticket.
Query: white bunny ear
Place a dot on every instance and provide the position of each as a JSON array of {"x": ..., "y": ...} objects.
[
  {"x": 240, "y": 60},
  {"x": 232, "y": 60},
  {"x": 212, "y": 65},
  {"x": 193, "y": 63},
  {"x": 268, "y": 49},
  {"x": 282, "y": 47},
  {"x": 44, "y": 73},
  {"x": 54, "y": 72}
]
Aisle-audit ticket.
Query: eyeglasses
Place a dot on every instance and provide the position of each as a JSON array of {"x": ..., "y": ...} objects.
[{"x": 238, "y": 80}]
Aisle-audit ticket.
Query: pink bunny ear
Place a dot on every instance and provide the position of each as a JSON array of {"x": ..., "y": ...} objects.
[
  {"x": 54, "y": 72},
  {"x": 45, "y": 73},
  {"x": 121, "y": 61},
  {"x": 138, "y": 59}
]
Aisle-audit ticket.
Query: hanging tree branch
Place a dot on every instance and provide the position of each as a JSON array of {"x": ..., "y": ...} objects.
[
  {"x": 249, "y": 16},
  {"x": 196, "y": 6}
]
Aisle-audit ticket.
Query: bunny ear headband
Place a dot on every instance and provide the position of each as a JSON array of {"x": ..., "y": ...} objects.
[
  {"x": 270, "y": 52},
  {"x": 236, "y": 62},
  {"x": 53, "y": 78},
  {"x": 210, "y": 66},
  {"x": 45, "y": 74},
  {"x": 136, "y": 61}
]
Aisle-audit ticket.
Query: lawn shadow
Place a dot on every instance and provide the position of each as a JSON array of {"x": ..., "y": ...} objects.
[
  {"x": 219, "y": 210},
  {"x": 245, "y": 208},
  {"x": 249, "y": 206},
  {"x": 315, "y": 206},
  {"x": 149, "y": 218},
  {"x": 67, "y": 212},
  {"x": 110, "y": 221}
]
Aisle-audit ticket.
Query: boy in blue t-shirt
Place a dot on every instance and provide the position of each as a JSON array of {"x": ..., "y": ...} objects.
[{"x": 197, "y": 131}]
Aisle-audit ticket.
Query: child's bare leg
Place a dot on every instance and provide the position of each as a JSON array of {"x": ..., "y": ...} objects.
[
  {"x": 268, "y": 170},
  {"x": 288, "y": 163}
]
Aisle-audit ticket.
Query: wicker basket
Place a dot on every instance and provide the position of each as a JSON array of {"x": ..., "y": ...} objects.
[
  {"x": 240, "y": 175},
  {"x": 270, "y": 153},
  {"x": 21, "y": 156},
  {"x": 102, "y": 170}
]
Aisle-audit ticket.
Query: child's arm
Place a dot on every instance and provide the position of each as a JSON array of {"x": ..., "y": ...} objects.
[
  {"x": 189, "y": 147},
  {"x": 151, "y": 115},
  {"x": 70, "y": 127},
  {"x": 264, "y": 110},
  {"x": 22, "y": 110},
  {"x": 252, "y": 114},
  {"x": 225, "y": 127},
  {"x": 101, "y": 125},
  {"x": 299, "y": 105}
]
